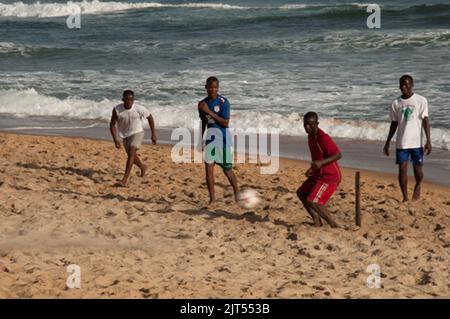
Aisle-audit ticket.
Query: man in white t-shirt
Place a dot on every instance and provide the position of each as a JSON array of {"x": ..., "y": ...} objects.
[
  {"x": 409, "y": 113},
  {"x": 128, "y": 118}
]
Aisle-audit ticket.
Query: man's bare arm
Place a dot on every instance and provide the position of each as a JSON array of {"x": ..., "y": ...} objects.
[
  {"x": 220, "y": 120},
  {"x": 329, "y": 160},
  {"x": 151, "y": 123},
  {"x": 392, "y": 129},
  {"x": 113, "y": 129},
  {"x": 426, "y": 127},
  {"x": 204, "y": 124}
]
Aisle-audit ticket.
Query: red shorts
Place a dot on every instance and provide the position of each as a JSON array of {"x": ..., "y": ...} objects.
[{"x": 318, "y": 191}]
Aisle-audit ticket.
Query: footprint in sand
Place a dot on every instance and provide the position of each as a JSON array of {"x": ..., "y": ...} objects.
[
  {"x": 106, "y": 281},
  {"x": 189, "y": 194},
  {"x": 180, "y": 206},
  {"x": 172, "y": 195}
]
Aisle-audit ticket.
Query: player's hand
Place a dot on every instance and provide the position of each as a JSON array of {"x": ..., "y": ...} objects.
[
  {"x": 316, "y": 165},
  {"x": 204, "y": 107},
  {"x": 428, "y": 148},
  {"x": 154, "y": 139},
  {"x": 309, "y": 172},
  {"x": 386, "y": 149},
  {"x": 117, "y": 144}
]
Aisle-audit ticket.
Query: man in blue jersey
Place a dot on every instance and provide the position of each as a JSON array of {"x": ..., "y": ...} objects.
[{"x": 214, "y": 111}]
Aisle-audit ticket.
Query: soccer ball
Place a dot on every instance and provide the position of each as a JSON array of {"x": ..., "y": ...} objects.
[{"x": 248, "y": 198}]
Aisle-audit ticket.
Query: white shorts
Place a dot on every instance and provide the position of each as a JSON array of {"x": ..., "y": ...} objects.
[{"x": 134, "y": 140}]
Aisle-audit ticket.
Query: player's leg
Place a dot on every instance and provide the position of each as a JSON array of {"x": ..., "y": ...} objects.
[
  {"x": 233, "y": 181},
  {"x": 209, "y": 154},
  {"x": 139, "y": 164},
  {"x": 403, "y": 179},
  {"x": 318, "y": 198},
  {"x": 131, "y": 151},
  {"x": 418, "y": 175},
  {"x": 209, "y": 169},
  {"x": 137, "y": 142},
  {"x": 324, "y": 213},
  {"x": 402, "y": 157},
  {"x": 302, "y": 194},
  {"x": 417, "y": 160},
  {"x": 224, "y": 159},
  {"x": 315, "y": 216}
]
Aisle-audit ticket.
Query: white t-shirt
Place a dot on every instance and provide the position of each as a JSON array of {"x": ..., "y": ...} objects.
[
  {"x": 409, "y": 114},
  {"x": 130, "y": 120}
]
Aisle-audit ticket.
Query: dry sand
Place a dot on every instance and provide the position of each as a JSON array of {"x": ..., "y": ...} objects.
[{"x": 153, "y": 239}]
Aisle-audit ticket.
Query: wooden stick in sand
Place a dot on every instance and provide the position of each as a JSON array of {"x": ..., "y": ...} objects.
[{"x": 358, "y": 199}]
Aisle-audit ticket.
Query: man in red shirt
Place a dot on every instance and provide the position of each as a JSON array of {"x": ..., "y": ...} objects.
[{"x": 324, "y": 174}]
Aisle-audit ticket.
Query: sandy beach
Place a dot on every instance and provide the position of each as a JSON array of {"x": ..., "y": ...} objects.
[{"x": 155, "y": 239}]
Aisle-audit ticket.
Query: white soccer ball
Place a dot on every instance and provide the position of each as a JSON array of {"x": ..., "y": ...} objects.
[{"x": 248, "y": 198}]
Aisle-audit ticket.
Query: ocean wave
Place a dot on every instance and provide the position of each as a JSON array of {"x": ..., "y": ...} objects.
[
  {"x": 301, "y": 6},
  {"x": 391, "y": 40},
  {"x": 49, "y": 10},
  {"x": 330, "y": 42},
  {"x": 13, "y": 48},
  {"x": 355, "y": 6},
  {"x": 29, "y": 102},
  {"x": 27, "y": 50}
]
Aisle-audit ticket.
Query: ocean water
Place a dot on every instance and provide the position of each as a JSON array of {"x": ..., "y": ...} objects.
[{"x": 275, "y": 59}]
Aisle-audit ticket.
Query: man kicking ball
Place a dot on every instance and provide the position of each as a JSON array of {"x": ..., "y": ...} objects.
[
  {"x": 324, "y": 174},
  {"x": 214, "y": 112}
]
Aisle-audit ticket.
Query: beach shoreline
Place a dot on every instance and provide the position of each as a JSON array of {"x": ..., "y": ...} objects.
[
  {"x": 363, "y": 155},
  {"x": 391, "y": 177}
]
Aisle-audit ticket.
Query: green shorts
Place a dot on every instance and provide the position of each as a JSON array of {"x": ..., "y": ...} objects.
[{"x": 223, "y": 156}]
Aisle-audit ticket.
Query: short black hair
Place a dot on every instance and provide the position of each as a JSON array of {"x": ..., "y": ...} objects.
[
  {"x": 127, "y": 93},
  {"x": 406, "y": 77},
  {"x": 311, "y": 115},
  {"x": 212, "y": 79}
]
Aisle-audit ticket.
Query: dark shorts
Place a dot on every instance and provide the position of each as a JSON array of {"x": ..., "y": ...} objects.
[{"x": 415, "y": 155}]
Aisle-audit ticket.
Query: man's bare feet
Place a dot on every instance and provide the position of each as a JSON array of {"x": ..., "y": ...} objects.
[
  {"x": 324, "y": 214},
  {"x": 121, "y": 184},
  {"x": 143, "y": 170},
  {"x": 317, "y": 222},
  {"x": 334, "y": 225},
  {"x": 212, "y": 202},
  {"x": 212, "y": 205}
]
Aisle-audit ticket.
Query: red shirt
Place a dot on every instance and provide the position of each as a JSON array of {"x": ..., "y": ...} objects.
[{"x": 321, "y": 147}]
